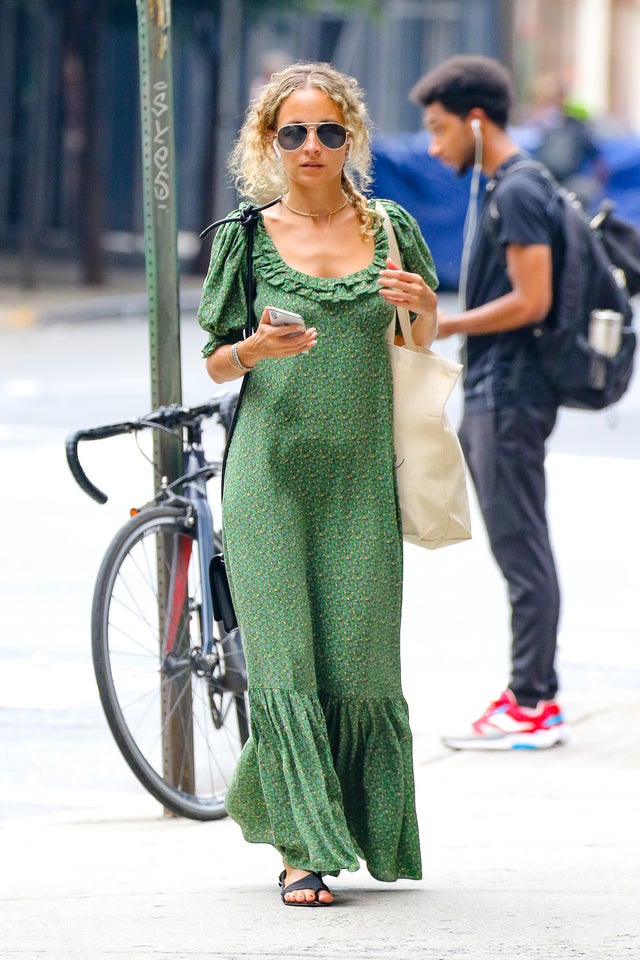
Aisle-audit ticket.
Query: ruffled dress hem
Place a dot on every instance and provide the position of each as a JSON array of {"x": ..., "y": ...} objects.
[{"x": 329, "y": 782}]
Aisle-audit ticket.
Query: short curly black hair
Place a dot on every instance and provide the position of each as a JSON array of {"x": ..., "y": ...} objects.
[{"x": 464, "y": 82}]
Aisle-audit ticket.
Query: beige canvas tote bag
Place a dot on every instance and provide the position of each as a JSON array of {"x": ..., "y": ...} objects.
[{"x": 431, "y": 472}]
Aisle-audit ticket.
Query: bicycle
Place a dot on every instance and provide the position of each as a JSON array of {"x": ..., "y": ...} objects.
[{"x": 172, "y": 681}]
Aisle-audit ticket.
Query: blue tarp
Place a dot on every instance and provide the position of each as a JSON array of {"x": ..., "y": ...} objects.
[{"x": 437, "y": 197}]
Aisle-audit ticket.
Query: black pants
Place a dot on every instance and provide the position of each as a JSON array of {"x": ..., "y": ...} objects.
[{"x": 505, "y": 450}]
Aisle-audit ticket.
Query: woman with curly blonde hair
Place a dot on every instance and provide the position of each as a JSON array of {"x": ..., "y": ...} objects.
[
  {"x": 258, "y": 173},
  {"x": 310, "y": 517}
]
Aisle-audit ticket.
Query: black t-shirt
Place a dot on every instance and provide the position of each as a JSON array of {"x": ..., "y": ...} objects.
[{"x": 502, "y": 368}]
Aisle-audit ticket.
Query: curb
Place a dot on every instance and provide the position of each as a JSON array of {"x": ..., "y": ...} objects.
[{"x": 108, "y": 306}]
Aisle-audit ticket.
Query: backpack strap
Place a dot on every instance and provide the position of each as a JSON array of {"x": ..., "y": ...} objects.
[{"x": 554, "y": 188}]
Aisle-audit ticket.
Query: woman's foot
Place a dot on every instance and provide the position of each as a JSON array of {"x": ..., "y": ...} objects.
[{"x": 295, "y": 893}]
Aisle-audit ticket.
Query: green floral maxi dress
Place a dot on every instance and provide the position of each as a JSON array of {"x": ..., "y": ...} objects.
[{"x": 314, "y": 553}]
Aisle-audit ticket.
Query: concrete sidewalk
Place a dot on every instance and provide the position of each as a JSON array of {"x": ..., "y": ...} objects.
[
  {"x": 526, "y": 855},
  {"x": 60, "y": 296}
]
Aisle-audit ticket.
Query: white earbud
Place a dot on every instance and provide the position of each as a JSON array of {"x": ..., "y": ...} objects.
[
  {"x": 476, "y": 129},
  {"x": 276, "y": 148}
]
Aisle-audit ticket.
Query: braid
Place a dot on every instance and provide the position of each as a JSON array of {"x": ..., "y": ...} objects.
[{"x": 368, "y": 218}]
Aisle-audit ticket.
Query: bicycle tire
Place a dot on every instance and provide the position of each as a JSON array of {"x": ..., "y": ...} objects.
[{"x": 146, "y": 688}]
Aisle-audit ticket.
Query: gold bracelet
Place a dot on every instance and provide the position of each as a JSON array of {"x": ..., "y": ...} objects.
[{"x": 236, "y": 361}]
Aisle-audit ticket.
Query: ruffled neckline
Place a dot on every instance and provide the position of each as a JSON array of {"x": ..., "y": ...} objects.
[{"x": 269, "y": 265}]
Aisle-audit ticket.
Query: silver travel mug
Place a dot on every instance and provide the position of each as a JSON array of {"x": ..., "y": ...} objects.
[{"x": 605, "y": 332}]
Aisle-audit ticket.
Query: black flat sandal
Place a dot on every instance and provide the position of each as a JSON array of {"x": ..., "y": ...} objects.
[{"x": 311, "y": 882}]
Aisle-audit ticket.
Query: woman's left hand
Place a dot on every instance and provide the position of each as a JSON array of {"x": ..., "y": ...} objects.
[
  {"x": 402, "y": 289},
  {"x": 408, "y": 290}
]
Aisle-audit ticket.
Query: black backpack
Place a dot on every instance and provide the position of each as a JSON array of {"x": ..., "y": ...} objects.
[
  {"x": 588, "y": 280},
  {"x": 622, "y": 243}
]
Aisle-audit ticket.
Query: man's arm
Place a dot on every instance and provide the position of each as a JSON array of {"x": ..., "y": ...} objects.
[{"x": 529, "y": 301}]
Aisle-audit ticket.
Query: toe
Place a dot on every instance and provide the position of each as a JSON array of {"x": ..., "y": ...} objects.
[{"x": 304, "y": 895}]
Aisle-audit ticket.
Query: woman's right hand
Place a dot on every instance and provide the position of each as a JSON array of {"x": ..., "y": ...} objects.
[
  {"x": 267, "y": 341},
  {"x": 276, "y": 342}
]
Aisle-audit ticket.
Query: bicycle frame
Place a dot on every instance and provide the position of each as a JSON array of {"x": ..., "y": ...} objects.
[
  {"x": 194, "y": 481},
  {"x": 196, "y": 493},
  {"x": 196, "y": 473}
]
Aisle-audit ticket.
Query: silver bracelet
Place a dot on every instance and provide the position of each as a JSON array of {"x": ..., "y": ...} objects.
[{"x": 236, "y": 361}]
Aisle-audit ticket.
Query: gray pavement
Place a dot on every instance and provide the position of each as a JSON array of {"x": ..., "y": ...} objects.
[{"x": 526, "y": 855}]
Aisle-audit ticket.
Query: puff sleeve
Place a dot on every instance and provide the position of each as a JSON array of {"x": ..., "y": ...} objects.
[
  {"x": 416, "y": 256},
  {"x": 223, "y": 306}
]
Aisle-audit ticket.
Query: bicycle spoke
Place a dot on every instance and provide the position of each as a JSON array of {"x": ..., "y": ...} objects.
[{"x": 149, "y": 695}]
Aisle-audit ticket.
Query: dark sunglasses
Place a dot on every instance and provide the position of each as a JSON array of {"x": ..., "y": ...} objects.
[{"x": 333, "y": 136}]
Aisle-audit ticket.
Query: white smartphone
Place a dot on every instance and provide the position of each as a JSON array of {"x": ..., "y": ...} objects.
[{"x": 285, "y": 318}]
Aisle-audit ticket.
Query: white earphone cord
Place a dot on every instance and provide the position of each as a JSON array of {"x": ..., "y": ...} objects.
[{"x": 470, "y": 221}]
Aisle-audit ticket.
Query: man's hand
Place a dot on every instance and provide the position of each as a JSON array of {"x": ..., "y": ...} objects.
[{"x": 445, "y": 326}]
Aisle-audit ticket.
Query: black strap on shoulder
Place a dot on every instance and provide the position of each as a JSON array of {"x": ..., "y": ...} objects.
[
  {"x": 247, "y": 216},
  {"x": 519, "y": 164},
  {"x": 522, "y": 164}
]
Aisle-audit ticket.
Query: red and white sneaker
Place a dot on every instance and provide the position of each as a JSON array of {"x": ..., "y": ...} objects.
[{"x": 506, "y": 726}]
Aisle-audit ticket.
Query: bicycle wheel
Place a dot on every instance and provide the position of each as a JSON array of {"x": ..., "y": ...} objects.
[{"x": 178, "y": 717}]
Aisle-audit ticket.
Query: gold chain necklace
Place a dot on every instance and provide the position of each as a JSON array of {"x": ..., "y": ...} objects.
[{"x": 301, "y": 213}]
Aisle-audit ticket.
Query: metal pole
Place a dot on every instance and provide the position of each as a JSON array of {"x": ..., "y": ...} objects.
[
  {"x": 161, "y": 256},
  {"x": 160, "y": 229}
]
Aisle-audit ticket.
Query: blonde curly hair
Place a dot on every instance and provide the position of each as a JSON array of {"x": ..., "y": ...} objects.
[{"x": 256, "y": 170}]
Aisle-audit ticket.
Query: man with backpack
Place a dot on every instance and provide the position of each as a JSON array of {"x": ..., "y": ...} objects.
[{"x": 510, "y": 405}]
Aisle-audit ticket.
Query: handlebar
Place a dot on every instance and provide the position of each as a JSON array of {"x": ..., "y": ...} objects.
[
  {"x": 163, "y": 418},
  {"x": 71, "y": 450}
]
